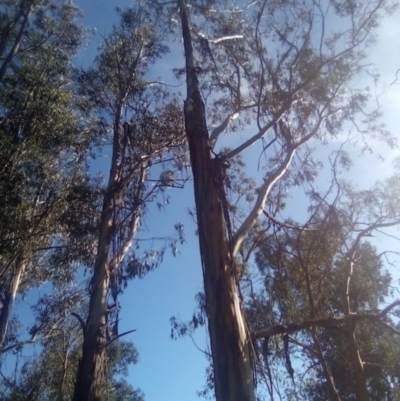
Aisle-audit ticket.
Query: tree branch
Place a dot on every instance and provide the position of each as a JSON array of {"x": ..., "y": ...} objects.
[
  {"x": 263, "y": 192},
  {"x": 119, "y": 336},
  {"x": 266, "y": 188},
  {"x": 221, "y": 128},
  {"x": 329, "y": 321},
  {"x": 286, "y": 225}
]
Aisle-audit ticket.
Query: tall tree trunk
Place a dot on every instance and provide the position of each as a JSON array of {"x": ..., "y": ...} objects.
[
  {"x": 90, "y": 381},
  {"x": 230, "y": 343},
  {"x": 90, "y": 378},
  {"x": 9, "y": 298}
]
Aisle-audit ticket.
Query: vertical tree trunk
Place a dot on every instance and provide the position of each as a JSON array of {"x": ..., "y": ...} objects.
[
  {"x": 90, "y": 381},
  {"x": 90, "y": 378},
  {"x": 9, "y": 298},
  {"x": 229, "y": 338}
]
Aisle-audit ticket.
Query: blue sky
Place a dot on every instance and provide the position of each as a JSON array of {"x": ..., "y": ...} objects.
[{"x": 174, "y": 370}]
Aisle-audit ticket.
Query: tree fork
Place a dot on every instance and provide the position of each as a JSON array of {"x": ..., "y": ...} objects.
[{"x": 230, "y": 342}]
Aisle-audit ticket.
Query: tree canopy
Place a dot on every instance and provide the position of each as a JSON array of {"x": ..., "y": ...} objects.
[{"x": 299, "y": 297}]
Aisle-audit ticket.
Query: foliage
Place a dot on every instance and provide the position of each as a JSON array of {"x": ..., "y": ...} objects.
[
  {"x": 43, "y": 145},
  {"x": 51, "y": 374},
  {"x": 307, "y": 276}
]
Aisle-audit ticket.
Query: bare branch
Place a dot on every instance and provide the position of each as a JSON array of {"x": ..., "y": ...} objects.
[
  {"x": 385, "y": 311},
  {"x": 329, "y": 321},
  {"x": 119, "y": 336},
  {"x": 216, "y": 132},
  {"x": 395, "y": 82},
  {"x": 256, "y": 137},
  {"x": 258, "y": 208},
  {"x": 32, "y": 340},
  {"x": 286, "y": 225},
  {"x": 266, "y": 188},
  {"x": 81, "y": 322},
  {"x": 225, "y": 38},
  {"x": 389, "y": 327}
]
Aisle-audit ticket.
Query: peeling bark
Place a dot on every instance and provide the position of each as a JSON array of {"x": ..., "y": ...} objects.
[{"x": 230, "y": 342}]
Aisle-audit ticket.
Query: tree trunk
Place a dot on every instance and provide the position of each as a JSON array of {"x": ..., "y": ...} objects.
[
  {"x": 90, "y": 381},
  {"x": 9, "y": 298},
  {"x": 17, "y": 42},
  {"x": 90, "y": 378},
  {"x": 230, "y": 343}
]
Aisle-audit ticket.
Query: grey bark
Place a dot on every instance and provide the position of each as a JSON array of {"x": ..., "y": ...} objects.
[{"x": 230, "y": 342}]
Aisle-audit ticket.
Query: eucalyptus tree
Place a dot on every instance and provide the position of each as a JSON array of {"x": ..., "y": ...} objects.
[
  {"x": 142, "y": 128},
  {"x": 42, "y": 144},
  {"x": 324, "y": 285},
  {"x": 283, "y": 74}
]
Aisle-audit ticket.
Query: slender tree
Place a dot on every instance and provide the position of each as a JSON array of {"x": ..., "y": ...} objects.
[{"x": 144, "y": 131}]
